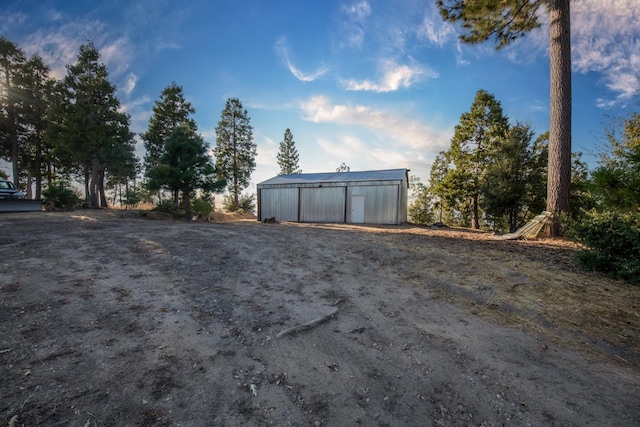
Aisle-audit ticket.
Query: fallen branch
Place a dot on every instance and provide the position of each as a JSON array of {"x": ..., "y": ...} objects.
[{"x": 308, "y": 325}]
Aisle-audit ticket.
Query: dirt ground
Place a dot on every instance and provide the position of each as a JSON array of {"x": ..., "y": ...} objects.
[{"x": 115, "y": 318}]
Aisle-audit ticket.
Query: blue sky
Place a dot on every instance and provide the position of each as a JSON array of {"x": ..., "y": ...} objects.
[{"x": 375, "y": 84}]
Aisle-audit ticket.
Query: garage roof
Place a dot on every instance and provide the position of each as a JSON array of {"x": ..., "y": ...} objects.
[{"x": 311, "y": 178}]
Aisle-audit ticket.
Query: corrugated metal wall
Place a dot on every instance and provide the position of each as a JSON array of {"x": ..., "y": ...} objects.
[
  {"x": 281, "y": 203},
  {"x": 380, "y": 203},
  {"x": 402, "y": 202},
  {"x": 385, "y": 201},
  {"x": 322, "y": 204}
]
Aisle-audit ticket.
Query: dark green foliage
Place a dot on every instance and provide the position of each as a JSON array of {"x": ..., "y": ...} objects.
[
  {"x": 582, "y": 197},
  {"x": 502, "y": 20},
  {"x": 170, "y": 111},
  {"x": 202, "y": 206},
  {"x": 91, "y": 136},
  {"x": 288, "y": 155},
  {"x": 513, "y": 173},
  {"x": 185, "y": 166},
  {"x": 132, "y": 196},
  {"x": 245, "y": 204},
  {"x": 612, "y": 242},
  {"x": 617, "y": 180},
  {"x": 60, "y": 197},
  {"x": 167, "y": 206},
  {"x": 235, "y": 150},
  {"x": 421, "y": 210},
  {"x": 12, "y": 60},
  {"x": 479, "y": 134}
]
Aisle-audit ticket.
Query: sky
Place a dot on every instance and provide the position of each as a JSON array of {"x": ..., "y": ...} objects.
[{"x": 376, "y": 84}]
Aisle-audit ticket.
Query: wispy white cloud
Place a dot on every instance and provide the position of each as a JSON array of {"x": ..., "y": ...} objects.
[
  {"x": 117, "y": 55},
  {"x": 168, "y": 45},
  {"x": 605, "y": 38},
  {"x": 12, "y": 20},
  {"x": 345, "y": 149},
  {"x": 400, "y": 131},
  {"x": 352, "y": 27},
  {"x": 394, "y": 77},
  {"x": 358, "y": 11},
  {"x": 282, "y": 49},
  {"x": 130, "y": 83},
  {"x": 140, "y": 110},
  {"x": 267, "y": 150},
  {"x": 434, "y": 29},
  {"x": 59, "y": 46}
]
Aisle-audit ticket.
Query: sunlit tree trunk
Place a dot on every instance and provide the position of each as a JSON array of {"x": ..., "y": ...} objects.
[{"x": 559, "y": 173}]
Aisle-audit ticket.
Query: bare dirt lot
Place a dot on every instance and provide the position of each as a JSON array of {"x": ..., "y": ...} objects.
[{"x": 113, "y": 318}]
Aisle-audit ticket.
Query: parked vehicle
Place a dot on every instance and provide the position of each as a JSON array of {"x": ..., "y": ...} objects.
[{"x": 9, "y": 191}]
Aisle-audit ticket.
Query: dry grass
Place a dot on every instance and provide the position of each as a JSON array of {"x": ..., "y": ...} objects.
[{"x": 531, "y": 284}]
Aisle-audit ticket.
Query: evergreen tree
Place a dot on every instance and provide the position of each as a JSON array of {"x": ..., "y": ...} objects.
[
  {"x": 185, "y": 166},
  {"x": 170, "y": 111},
  {"x": 90, "y": 135},
  {"x": 12, "y": 60},
  {"x": 36, "y": 96},
  {"x": 505, "y": 21},
  {"x": 617, "y": 178},
  {"x": 513, "y": 166},
  {"x": 420, "y": 210},
  {"x": 235, "y": 150},
  {"x": 343, "y": 168},
  {"x": 288, "y": 155},
  {"x": 442, "y": 198},
  {"x": 476, "y": 138}
]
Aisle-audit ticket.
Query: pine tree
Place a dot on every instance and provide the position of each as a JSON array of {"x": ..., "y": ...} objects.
[
  {"x": 235, "y": 150},
  {"x": 476, "y": 137},
  {"x": 90, "y": 135},
  {"x": 512, "y": 170},
  {"x": 185, "y": 166},
  {"x": 288, "y": 155},
  {"x": 617, "y": 178},
  {"x": 36, "y": 94},
  {"x": 170, "y": 111},
  {"x": 12, "y": 60},
  {"x": 505, "y": 21}
]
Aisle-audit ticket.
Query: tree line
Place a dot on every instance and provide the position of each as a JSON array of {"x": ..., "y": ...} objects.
[
  {"x": 494, "y": 176},
  {"x": 53, "y": 132}
]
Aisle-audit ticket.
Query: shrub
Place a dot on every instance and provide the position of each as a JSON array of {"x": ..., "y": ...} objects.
[
  {"x": 421, "y": 210},
  {"x": 245, "y": 203},
  {"x": 202, "y": 207},
  {"x": 166, "y": 206},
  {"x": 60, "y": 196},
  {"x": 612, "y": 242}
]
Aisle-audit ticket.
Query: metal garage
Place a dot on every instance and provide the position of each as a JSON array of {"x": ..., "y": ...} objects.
[{"x": 368, "y": 197}]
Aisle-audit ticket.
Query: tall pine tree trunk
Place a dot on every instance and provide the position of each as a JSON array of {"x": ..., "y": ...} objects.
[
  {"x": 103, "y": 195},
  {"x": 475, "y": 221},
  {"x": 187, "y": 205},
  {"x": 38, "y": 169},
  {"x": 559, "y": 173},
  {"x": 93, "y": 186}
]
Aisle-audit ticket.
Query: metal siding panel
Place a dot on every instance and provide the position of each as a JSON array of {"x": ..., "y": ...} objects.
[
  {"x": 322, "y": 204},
  {"x": 281, "y": 203},
  {"x": 404, "y": 195},
  {"x": 380, "y": 203}
]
